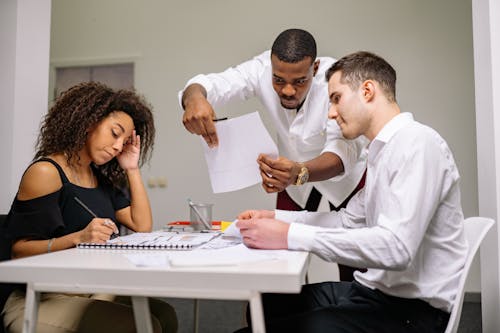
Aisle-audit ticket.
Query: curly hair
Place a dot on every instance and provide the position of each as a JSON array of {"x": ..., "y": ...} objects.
[{"x": 65, "y": 127}]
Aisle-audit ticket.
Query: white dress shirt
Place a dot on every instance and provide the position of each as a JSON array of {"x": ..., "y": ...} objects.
[
  {"x": 406, "y": 225},
  {"x": 302, "y": 135}
]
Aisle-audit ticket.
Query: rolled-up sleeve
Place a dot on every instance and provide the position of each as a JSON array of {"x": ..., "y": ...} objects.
[
  {"x": 349, "y": 151},
  {"x": 235, "y": 83}
]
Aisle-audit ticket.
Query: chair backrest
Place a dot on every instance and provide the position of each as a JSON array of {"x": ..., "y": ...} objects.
[
  {"x": 3, "y": 244},
  {"x": 475, "y": 230}
]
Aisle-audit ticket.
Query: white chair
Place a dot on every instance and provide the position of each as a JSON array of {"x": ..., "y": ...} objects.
[{"x": 475, "y": 230}]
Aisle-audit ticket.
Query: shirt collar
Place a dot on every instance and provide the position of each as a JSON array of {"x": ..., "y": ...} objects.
[
  {"x": 393, "y": 126},
  {"x": 387, "y": 132}
]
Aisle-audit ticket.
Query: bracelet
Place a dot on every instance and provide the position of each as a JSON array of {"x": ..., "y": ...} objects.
[{"x": 50, "y": 244}]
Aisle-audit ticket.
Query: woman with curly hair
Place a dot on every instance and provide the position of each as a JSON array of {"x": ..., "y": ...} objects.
[{"x": 89, "y": 152}]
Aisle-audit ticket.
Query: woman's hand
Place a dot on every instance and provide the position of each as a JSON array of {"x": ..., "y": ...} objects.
[
  {"x": 128, "y": 159},
  {"x": 97, "y": 231}
]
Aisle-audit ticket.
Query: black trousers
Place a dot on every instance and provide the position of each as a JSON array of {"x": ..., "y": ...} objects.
[{"x": 348, "y": 307}]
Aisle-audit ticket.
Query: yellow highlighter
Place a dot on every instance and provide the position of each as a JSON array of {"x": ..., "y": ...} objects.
[{"x": 224, "y": 225}]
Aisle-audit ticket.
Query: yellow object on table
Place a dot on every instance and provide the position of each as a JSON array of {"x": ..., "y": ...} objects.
[{"x": 224, "y": 225}]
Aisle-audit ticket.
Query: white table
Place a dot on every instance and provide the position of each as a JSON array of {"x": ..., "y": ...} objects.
[{"x": 109, "y": 271}]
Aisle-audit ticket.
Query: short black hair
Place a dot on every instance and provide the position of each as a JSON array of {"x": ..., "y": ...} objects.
[
  {"x": 293, "y": 45},
  {"x": 360, "y": 66}
]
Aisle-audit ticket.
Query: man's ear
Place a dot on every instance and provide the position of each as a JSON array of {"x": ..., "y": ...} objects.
[
  {"x": 368, "y": 90},
  {"x": 315, "y": 67}
]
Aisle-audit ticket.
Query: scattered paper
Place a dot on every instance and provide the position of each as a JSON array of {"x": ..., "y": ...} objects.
[
  {"x": 235, "y": 255},
  {"x": 233, "y": 164},
  {"x": 221, "y": 242},
  {"x": 233, "y": 231}
]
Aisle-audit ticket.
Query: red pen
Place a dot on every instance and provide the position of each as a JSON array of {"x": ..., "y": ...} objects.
[
  {"x": 179, "y": 223},
  {"x": 215, "y": 224}
]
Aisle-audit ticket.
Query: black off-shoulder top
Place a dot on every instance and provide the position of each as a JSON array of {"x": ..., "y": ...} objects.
[{"x": 57, "y": 214}]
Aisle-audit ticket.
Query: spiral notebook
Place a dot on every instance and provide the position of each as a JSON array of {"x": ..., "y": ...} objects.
[{"x": 158, "y": 240}]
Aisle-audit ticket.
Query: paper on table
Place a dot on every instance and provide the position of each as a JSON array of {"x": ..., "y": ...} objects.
[
  {"x": 235, "y": 255},
  {"x": 148, "y": 259},
  {"x": 233, "y": 230},
  {"x": 233, "y": 164}
]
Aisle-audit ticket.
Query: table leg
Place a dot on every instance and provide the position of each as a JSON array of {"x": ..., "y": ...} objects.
[
  {"x": 31, "y": 309},
  {"x": 257, "y": 313},
  {"x": 196, "y": 315},
  {"x": 142, "y": 315}
]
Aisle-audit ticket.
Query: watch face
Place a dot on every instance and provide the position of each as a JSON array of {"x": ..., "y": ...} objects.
[{"x": 303, "y": 176}]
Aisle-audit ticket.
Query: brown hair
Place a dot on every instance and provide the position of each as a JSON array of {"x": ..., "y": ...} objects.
[
  {"x": 360, "y": 66},
  {"x": 65, "y": 127}
]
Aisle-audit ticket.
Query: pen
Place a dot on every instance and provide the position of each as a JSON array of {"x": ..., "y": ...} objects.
[
  {"x": 180, "y": 223},
  {"x": 84, "y": 206},
  {"x": 220, "y": 119}
]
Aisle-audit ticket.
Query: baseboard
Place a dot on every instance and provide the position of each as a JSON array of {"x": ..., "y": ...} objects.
[{"x": 472, "y": 297}]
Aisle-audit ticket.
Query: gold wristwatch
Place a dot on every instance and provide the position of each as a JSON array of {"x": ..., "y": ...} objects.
[{"x": 303, "y": 175}]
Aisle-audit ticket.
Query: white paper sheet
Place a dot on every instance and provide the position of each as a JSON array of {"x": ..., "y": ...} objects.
[
  {"x": 148, "y": 259},
  {"x": 233, "y": 164},
  {"x": 235, "y": 255},
  {"x": 233, "y": 230}
]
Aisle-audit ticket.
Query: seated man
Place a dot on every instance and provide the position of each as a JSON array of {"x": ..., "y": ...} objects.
[{"x": 406, "y": 225}]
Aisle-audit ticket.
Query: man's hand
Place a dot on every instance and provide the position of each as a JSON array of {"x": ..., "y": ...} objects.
[
  {"x": 199, "y": 114},
  {"x": 256, "y": 214},
  {"x": 264, "y": 233},
  {"x": 277, "y": 174}
]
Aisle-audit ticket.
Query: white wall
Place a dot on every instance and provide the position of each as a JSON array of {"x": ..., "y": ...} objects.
[
  {"x": 486, "y": 20},
  {"x": 25, "y": 40},
  {"x": 8, "y": 14}
]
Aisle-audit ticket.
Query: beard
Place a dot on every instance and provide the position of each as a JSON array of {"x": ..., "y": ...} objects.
[{"x": 291, "y": 104}]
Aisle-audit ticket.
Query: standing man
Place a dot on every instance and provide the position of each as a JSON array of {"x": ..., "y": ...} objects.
[
  {"x": 406, "y": 225},
  {"x": 315, "y": 160}
]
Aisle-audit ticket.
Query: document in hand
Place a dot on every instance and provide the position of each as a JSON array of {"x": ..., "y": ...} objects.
[{"x": 233, "y": 164}]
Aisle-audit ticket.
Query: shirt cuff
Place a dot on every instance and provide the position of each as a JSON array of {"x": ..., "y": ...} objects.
[
  {"x": 200, "y": 79},
  {"x": 301, "y": 237},
  {"x": 287, "y": 215}
]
